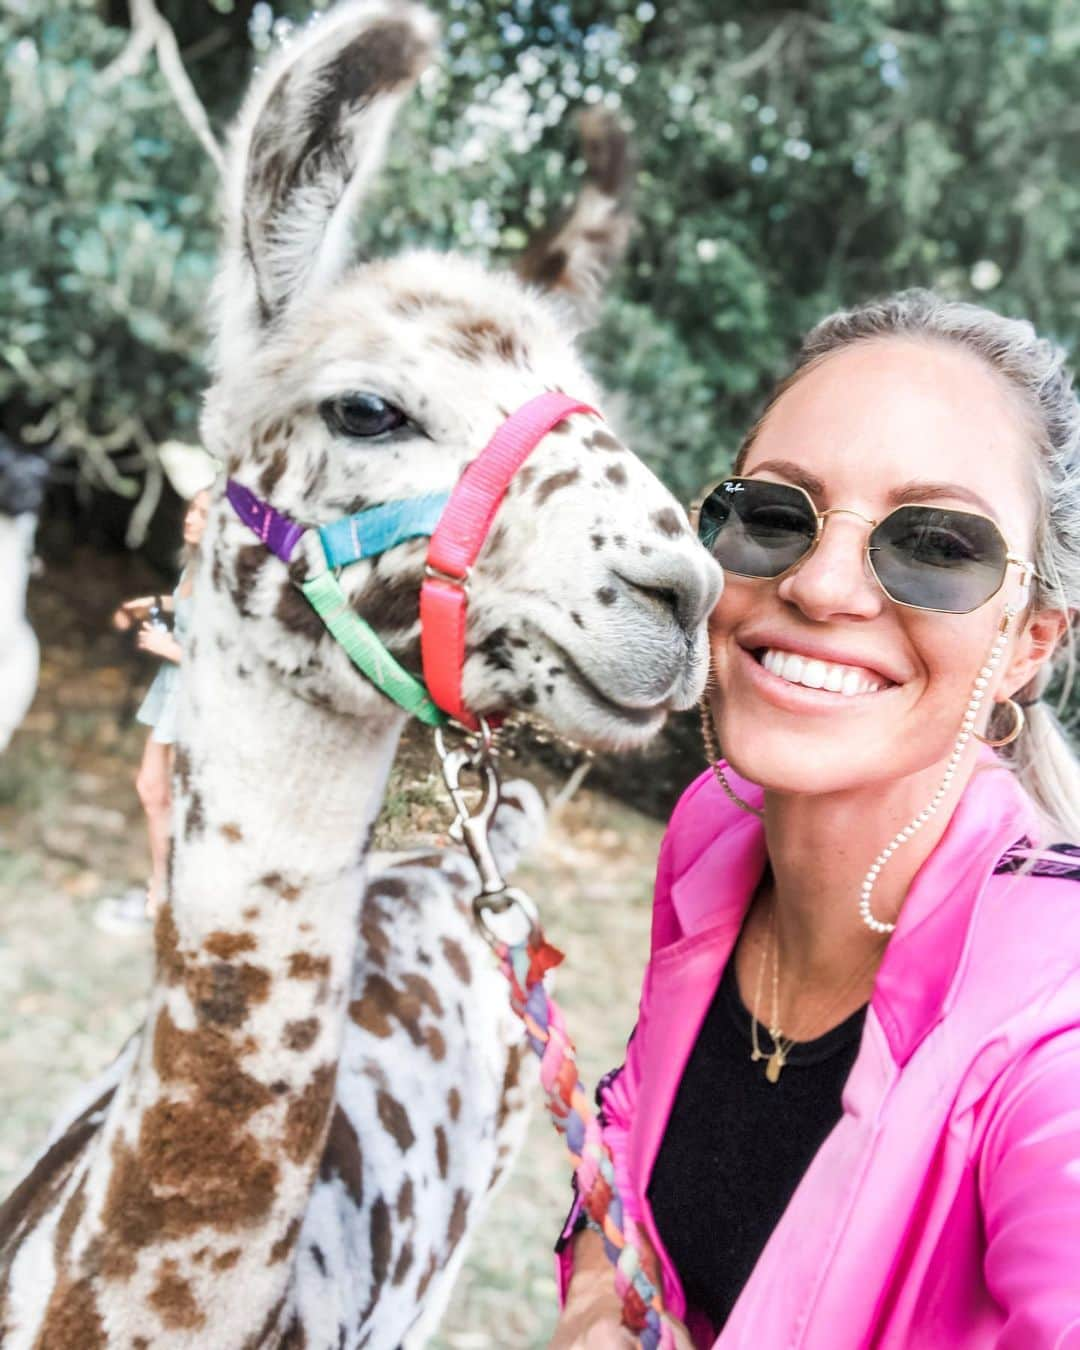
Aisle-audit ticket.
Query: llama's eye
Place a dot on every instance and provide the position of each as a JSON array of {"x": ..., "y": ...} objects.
[{"x": 361, "y": 415}]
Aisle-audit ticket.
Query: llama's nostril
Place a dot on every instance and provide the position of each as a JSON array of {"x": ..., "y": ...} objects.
[
  {"x": 665, "y": 597},
  {"x": 675, "y": 585}
]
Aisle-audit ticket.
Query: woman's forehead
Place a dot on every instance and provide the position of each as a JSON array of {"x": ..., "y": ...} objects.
[{"x": 880, "y": 416}]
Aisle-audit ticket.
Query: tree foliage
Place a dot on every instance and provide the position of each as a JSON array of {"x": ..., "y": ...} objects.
[
  {"x": 105, "y": 249},
  {"x": 792, "y": 159}
]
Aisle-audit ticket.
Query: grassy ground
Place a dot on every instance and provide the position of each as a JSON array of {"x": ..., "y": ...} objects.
[{"x": 71, "y": 832}]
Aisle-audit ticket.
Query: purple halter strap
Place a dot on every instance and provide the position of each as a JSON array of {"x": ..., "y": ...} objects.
[{"x": 278, "y": 532}]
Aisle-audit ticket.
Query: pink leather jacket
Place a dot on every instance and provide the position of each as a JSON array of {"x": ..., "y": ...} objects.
[{"x": 944, "y": 1208}]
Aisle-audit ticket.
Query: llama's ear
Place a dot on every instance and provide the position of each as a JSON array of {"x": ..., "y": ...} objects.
[
  {"x": 573, "y": 258},
  {"x": 309, "y": 137}
]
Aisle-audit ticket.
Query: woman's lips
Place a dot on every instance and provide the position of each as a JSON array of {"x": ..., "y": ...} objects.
[
  {"x": 831, "y": 652},
  {"x": 793, "y": 696}
]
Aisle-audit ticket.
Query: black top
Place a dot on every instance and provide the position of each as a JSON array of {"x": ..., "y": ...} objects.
[{"x": 736, "y": 1146}]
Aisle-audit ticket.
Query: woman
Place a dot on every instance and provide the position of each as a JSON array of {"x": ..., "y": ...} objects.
[
  {"x": 833, "y": 1134},
  {"x": 158, "y": 708}
]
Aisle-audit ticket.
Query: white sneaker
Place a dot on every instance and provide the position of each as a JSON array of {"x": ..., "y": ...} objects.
[{"x": 123, "y": 914}]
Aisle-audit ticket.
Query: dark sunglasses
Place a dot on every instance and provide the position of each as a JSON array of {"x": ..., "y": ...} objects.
[{"x": 925, "y": 557}]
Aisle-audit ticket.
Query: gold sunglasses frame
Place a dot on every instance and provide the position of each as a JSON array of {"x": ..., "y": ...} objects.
[{"x": 1011, "y": 559}]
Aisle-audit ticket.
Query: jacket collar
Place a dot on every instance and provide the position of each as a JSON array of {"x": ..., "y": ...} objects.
[{"x": 923, "y": 955}]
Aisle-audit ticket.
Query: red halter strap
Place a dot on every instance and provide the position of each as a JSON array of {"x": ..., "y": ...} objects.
[{"x": 460, "y": 535}]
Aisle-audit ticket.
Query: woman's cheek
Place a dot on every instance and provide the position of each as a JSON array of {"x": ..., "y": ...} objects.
[{"x": 730, "y": 610}]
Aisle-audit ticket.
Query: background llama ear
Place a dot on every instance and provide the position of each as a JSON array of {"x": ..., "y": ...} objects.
[
  {"x": 308, "y": 139},
  {"x": 573, "y": 258}
]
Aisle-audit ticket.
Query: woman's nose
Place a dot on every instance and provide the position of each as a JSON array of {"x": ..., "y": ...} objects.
[{"x": 835, "y": 581}]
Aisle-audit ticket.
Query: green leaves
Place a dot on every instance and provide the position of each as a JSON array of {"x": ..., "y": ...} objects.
[
  {"x": 791, "y": 160},
  {"x": 96, "y": 190}
]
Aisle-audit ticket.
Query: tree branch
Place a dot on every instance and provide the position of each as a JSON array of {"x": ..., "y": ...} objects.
[
  {"x": 150, "y": 31},
  {"x": 763, "y": 55}
]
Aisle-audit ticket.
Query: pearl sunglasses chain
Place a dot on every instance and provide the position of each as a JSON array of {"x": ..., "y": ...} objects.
[{"x": 966, "y": 732}]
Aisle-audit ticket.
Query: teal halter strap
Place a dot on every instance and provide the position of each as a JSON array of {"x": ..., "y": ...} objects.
[
  {"x": 368, "y": 533},
  {"x": 362, "y": 535}
]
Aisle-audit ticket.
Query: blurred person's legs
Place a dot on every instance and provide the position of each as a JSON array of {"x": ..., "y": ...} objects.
[{"x": 152, "y": 783}]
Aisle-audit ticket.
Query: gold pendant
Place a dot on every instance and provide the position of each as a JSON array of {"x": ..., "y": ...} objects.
[{"x": 775, "y": 1064}]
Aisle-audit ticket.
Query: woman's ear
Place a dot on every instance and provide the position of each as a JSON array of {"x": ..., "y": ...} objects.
[{"x": 1037, "y": 643}]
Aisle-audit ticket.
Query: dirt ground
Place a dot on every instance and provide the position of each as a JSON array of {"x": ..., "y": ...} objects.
[{"x": 71, "y": 833}]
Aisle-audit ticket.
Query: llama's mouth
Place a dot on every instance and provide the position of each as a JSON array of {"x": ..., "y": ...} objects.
[{"x": 584, "y": 684}]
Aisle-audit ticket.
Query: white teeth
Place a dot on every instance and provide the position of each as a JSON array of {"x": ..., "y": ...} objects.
[{"x": 813, "y": 673}]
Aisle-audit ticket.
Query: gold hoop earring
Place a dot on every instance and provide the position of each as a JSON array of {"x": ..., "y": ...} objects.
[{"x": 1017, "y": 727}]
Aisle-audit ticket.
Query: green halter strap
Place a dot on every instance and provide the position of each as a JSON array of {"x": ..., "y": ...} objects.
[
  {"x": 363, "y": 535},
  {"x": 366, "y": 651}
]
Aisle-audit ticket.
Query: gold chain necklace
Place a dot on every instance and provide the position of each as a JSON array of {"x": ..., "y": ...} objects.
[
  {"x": 778, "y": 1058},
  {"x": 782, "y": 1045}
]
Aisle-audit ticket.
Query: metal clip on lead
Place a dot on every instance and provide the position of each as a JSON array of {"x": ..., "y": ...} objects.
[{"x": 472, "y": 827}]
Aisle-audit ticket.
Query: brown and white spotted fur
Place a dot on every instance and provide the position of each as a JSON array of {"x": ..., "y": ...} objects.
[
  {"x": 291, "y": 1151},
  {"x": 430, "y": 1051}
]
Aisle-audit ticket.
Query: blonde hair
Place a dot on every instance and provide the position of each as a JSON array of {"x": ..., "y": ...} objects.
[
  {"x": 1042, "y": 757},
  {"x": 189, "y": 555}
]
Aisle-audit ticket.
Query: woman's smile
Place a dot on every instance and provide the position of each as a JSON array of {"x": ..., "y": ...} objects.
[
  {"x": 814, "y": 673},
  {"x": 796, "y": 683}
]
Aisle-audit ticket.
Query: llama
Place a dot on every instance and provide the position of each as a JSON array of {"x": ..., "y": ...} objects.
[
  {"x": 292, "y": 1149},
  {"x": 22, "y": 482}
]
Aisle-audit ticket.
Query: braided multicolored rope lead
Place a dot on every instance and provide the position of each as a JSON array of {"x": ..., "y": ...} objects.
[{"x": 524, "y": 965}]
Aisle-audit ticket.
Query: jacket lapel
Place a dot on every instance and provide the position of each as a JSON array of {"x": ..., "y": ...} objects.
[
  {"x": 710, "y": 899},
  {"x": 911, "y": 992}
]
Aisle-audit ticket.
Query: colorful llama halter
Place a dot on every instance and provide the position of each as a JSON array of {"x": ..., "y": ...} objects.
[{"x": 457, "y": 523}]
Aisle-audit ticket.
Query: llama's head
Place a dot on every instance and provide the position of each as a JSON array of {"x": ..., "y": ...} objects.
[{"x": 341, "y": 386}]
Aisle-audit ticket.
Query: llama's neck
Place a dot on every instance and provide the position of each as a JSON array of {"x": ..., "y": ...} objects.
[
  {"x": 213, "y": 1139},
  {"x": 275, "y": 799}
]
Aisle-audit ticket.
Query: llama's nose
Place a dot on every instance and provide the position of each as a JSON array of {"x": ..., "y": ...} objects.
[{"x": 684, "y": 580}]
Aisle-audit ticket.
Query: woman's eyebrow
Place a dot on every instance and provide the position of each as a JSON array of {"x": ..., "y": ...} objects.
[
  {"x": 919, "y": 490},
  {"x": 794, "y": 473},
  {"x": 914, "y": 490}
]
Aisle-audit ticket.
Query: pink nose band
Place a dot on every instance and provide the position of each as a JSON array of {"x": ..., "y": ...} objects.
[{"x": 460, "y": 536}]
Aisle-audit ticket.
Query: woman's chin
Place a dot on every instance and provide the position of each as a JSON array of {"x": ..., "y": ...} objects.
[
  {"x": 788, "y": 774},
  {"x": 813, "y": 763},
  {"x": 804, "y": 758}
]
